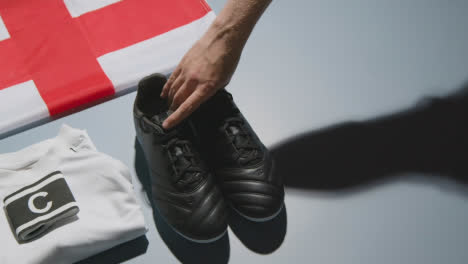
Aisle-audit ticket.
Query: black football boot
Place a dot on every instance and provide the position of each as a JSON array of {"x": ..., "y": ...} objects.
[
  {"x": 241, "y": 163},
  {"x": 183, "y": 190}
]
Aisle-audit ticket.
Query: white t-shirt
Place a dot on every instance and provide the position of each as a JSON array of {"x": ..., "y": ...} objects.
[{"x": 108, "y": 210}]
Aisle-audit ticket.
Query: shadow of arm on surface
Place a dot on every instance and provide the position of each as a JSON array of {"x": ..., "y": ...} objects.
[
  {"x": 120, "y": 253},
  {"x": 431, "y": 138}
]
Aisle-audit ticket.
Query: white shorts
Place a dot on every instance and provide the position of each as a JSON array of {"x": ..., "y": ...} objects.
[{"x": 102, "y": 189}]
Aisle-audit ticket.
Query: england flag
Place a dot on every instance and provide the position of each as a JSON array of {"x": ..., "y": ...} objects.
[{"x": 57, "y": 55}]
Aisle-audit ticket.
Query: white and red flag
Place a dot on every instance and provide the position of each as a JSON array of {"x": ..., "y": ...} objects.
[{"x": 57, "y": 55}]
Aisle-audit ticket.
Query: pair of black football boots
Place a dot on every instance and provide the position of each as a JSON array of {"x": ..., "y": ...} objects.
[{"x": 211, "y": 160}]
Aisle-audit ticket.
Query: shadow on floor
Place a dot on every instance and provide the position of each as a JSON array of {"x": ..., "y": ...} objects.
[
  {"x": 120, "y": 253},
  {"x": 430, "y": 138}
]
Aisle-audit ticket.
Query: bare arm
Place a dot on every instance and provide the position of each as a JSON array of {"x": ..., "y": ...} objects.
[{"x": 209, "y": 65}]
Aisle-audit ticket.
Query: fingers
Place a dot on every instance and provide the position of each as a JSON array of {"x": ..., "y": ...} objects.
[
  {"x": 170, "y": 81},
  {"x": 174, "y": 88},
  {"x": 184, "y": 110},
  {"x": 183, "y": 93}
]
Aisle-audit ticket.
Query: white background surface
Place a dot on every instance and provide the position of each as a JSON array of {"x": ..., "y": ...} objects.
[
  {"x": 311, "y": 64},
  {"x": 3, "y": 31}
]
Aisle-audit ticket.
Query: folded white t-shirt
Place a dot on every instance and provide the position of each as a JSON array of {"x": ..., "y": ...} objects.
[{"x": 108, "y": 215}]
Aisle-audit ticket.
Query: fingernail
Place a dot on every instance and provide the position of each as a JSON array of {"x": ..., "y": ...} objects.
[{"x": 165, "y": 125}]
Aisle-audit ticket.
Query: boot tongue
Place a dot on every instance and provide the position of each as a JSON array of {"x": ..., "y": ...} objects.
[
  {"x": 234, "y": 130},
  {"x": 159, "y": 118},
  {"x": 177, "y": 150},
  {"x": 241, "y": 140},
  {"x": 181, "y": 162},
  {"x": 179, "y": 153}
]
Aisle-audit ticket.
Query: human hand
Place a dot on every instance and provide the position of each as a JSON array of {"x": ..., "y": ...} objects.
[{"x": 206, "y": 68}]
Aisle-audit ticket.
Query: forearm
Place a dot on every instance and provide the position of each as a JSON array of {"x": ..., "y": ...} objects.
[
  {"x": 236, "y": 21},
  {"x": 209, "y": 65}
]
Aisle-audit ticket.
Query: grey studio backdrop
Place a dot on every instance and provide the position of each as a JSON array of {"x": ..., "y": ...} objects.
[{"x": 313, "y": 67}]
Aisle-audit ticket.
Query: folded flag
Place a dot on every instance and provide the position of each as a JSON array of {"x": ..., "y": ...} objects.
[
  {"x": 57, "y": 55},
  {"x": 33, "y": 209}
]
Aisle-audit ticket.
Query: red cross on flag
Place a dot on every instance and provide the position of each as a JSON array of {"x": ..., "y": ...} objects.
[{"x": 56, "y": 55}]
